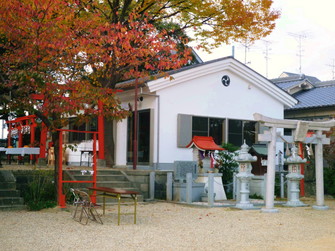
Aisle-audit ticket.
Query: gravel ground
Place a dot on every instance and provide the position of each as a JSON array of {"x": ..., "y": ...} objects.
[{"x": 168, "y": 226}]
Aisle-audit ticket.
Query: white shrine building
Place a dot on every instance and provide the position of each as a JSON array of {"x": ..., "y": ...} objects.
[{"x": 216, "y": 98}]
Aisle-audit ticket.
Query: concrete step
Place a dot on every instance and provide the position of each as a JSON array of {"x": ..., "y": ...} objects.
[
  {"x": 114, "y": 184},
  {"x": 9, "y": 201},
  {"x": 9, "y": 193},
  {"x": 8, "y": 185},
  {"x": 12, "y": 207},
  {"x": 7, "y": 176},
  {"x": 101, "y": 177}
]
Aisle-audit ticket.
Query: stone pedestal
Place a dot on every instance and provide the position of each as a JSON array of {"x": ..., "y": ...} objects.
[
  {"x": 218, "y": 186},
  {"x": 180, "y": 189},
  {"x": 294, "y": 178},
  {"x": 244, "y": 179},
  {"x": 244, "y": 176}
]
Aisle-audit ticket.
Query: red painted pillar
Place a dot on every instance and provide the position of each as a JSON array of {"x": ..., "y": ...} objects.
[
  {"x": 19, "y": 128},
  {"x": 61, "y": 196},
  {"x": 101, "y": 132},
  {"x": 43, "y": 141},
  {"x": 9, "y": 135},
  {"x": 94, "y": 197},
  {"x": 32, "y": 136}
]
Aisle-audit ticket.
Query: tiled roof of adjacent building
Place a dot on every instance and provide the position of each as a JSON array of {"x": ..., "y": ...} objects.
[
  {"x": 311, "y": 79},
  {"x": 321, "y": 93},
  {"x": 321, "y": 96}
]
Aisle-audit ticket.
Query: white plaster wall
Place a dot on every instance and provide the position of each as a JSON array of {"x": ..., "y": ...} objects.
[{"x": 206, "y": 96}]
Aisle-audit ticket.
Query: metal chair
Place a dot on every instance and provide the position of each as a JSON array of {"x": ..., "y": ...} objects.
[{"x": 84, "y": 207}]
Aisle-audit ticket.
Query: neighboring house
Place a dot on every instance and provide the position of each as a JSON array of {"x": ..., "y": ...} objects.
[
  {"x": 216, "y": 98},
  {"x": 316, "y": 98}
]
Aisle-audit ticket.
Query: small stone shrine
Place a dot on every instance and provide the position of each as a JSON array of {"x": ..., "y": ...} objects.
[
  {"x": 204, "y": 153},
  {"x": 181, "y": 171}
]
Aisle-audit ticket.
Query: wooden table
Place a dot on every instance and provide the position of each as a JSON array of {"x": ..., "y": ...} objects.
[{"x": 116, "y": 194}]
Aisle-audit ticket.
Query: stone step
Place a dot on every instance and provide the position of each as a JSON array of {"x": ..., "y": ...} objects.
[
  {"x": 7, "y": 176},
  {"x": 9, "y": 193},
  {"x": 101, "y": 177},
  {"x": 114, "y": 184},
  {"x": 12, "y": 207},
  {"x": 9, "y": 201},
  {"x": 8, "y": 185}
]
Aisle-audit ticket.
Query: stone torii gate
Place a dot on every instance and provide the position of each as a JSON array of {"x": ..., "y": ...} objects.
[{"x": 299, "y": 133}]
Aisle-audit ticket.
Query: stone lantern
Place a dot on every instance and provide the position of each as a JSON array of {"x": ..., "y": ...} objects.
[
  {"x": 294, "y": 176},
  {"x": 244, "y": 176}
]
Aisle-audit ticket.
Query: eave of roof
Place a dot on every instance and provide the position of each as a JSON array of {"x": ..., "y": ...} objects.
[{"x": 204, "y": 143}]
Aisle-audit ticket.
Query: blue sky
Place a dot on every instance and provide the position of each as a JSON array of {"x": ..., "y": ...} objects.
[{"x": 309, "y": 20}]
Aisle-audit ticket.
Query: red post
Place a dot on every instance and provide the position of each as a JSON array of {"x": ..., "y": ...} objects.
[
  {"x": 32, "y": 126},
  {"x": 19, "y": 128},
  {"x": 94, "y": 198},
  {"x": 9, "y": 135},
  {"x": 43, "y": 141},
  {"x": 61, "y": 196},
  {"x": 101, "y": 129}
]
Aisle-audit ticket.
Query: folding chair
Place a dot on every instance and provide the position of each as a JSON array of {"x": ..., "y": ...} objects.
[{"x": 84, "y": 207}]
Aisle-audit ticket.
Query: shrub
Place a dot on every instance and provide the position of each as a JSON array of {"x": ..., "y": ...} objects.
[
  {"x": 40, "y": 192},
  {"x": 226, "y": 163},
  {"x": 329, "y": 180}
]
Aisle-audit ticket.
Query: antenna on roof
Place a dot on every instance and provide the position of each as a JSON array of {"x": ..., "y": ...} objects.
[
  {"x": 299, "y": 37},
  {"x": 266, "y": 52},
  {"x": 333, "y": 68},
  {"x": 246, "y": 46}
]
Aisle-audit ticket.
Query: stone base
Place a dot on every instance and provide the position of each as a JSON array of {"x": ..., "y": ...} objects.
[
  {"x": 42, "y": 162},
  {"x": 295, "y": 204},
  {"x": 204, "y": 197},
  {"x": 101, "y": 162},
  {"x": 179, "y": 192},
  {"x": 269, "y": 210},
  {"x": 320, "y": 207},
  {"x": 218, "y": 186},
  {"x": 245, "y": 206}
]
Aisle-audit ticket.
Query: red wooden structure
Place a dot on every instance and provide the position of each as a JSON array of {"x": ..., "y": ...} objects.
[
  {"x": 61, "y": 181},
  {"x": 27, "y": 125}
]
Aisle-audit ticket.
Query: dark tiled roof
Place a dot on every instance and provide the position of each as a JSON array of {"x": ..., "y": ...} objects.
[
  {"x": 287, "y": 85},
  {"x": 321, "y": 96},
  {"x": 296, "y": 75}
]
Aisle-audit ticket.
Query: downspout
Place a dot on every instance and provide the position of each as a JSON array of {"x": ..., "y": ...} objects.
[{"x": 158, "y": 120}]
